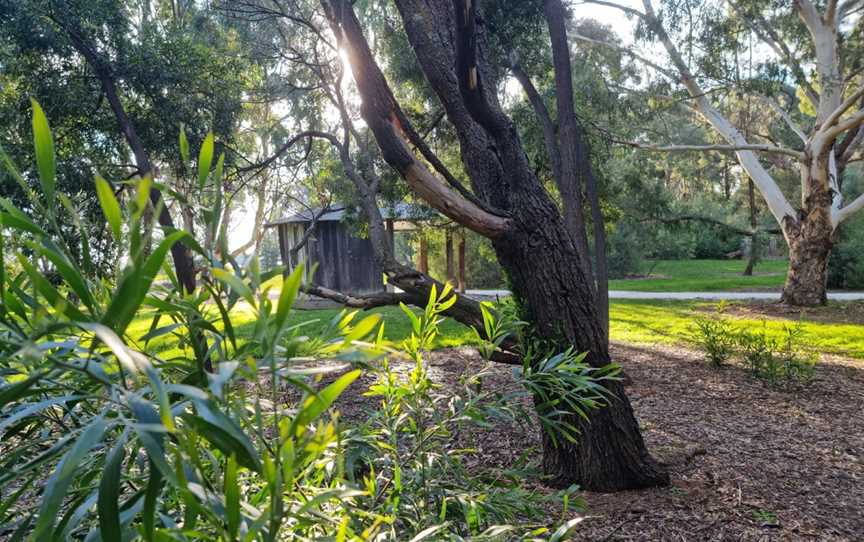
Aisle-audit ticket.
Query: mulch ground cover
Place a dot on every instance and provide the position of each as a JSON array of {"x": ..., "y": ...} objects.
[{"x": 747, "y": 462}]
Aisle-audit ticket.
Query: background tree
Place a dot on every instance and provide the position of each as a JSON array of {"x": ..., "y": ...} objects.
[{"x": 823, "y": 115}]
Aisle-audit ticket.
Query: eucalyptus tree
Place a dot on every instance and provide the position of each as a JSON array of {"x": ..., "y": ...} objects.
[
  {"x": 506, "y": 202},
  {"x": 807, "y": 71}
]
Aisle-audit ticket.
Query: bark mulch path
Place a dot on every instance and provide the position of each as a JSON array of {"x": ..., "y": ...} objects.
[{"x": 747, "y": 462}]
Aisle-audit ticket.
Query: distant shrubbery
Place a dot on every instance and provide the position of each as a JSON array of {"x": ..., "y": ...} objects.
[{"x": 846, "y": 266}]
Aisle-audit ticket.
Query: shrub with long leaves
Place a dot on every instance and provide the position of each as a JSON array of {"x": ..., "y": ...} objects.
[{"x": 103, "y": 438}]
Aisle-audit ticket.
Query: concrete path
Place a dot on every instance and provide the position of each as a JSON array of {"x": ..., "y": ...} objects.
[{"x": 715, "y": 296}]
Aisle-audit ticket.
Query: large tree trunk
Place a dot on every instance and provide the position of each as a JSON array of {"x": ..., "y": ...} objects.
[
  {"x": 548, "y": 283},
  {"x": 547, "y": 273},
  {"x": 810, "y": 244},
  {"x": 811, "y": 236}
]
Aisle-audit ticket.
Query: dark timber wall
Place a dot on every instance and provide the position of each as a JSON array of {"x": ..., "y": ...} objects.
[{"x": 344, "y": 262}]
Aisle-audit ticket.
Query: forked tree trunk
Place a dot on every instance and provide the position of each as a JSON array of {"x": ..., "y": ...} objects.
[{"x": 547, "y": 273}]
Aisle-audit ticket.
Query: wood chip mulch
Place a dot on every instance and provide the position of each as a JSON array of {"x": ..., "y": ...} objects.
[{"x": 747, "y": 462}]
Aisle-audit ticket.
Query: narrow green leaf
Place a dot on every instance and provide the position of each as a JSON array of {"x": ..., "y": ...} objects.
[
  {"x": 110, "y": 207},
  {"x": 363, "y": 328},
  {"x": 134, "y": 286},
  {"x": 49, "y": 292},
  {"x": 19, "y": 389},
  {"x": 290, "y": 287},
  {"x": 59, "y": 482},
  {"x": 153, "y": 441},
  {"x": 68, "y": 271},
  {"x": 142, "y": 196},
  {"x": 232, "y": 280},
  {"x": 184, "y": 145},
  {"x": 315, "y": 405},
  {"x": 18, "y": 220},
  {"x": 151, "y": 499},
  {"x": 224, "y": 433},
  {"x": 87, "y": 259},
  {"x": 108, "y": 504},
  {"x": 205, "y": 158},
  {"x": 232, "y": 497},
  {"x": 44, "y": 145}
]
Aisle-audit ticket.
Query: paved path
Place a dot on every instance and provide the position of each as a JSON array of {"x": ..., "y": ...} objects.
[{"x": 732, "y": 296}]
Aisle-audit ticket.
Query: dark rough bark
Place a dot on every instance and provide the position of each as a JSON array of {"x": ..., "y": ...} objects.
[
  {"x": 461, "y": 265},
  {"x": 810, "y": 242},
  {"x": 545, "y": 268},
  {"x": 574, "y": 159},
  {"x": 810, "y": 235}
]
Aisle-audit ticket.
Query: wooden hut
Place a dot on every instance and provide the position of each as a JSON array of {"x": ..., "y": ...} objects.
[{"x": 342, "y": 260}]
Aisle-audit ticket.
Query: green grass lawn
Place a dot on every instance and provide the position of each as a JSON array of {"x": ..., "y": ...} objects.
[
  {"x": 705, "y": 276},
  {"x": 396, "y": 327},
  {"x": 670, "y": 322},
  {"x": 632, "y": 321}
]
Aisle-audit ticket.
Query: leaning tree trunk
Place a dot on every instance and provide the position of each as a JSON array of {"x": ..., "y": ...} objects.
[
  {"x": 547, "y": 272},
  {"x": 547, "y": 280},
  {"x": 810, "y": 241}
]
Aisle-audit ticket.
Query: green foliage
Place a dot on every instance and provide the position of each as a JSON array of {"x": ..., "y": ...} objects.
[
  {"x": 846, "y": 264},
  {"x": 783, "y": 362},
  {"x": 413, "y": 455},
  {"x": 779, "y": 360},
  {"x": 625, "y": 251},
  {"x": 103, "y": 438},
  {"x": 715, "y": 337}
]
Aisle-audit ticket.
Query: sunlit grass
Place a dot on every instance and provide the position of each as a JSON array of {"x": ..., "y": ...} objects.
[
  {"x": 632, "y": 321},
  {"x": 671, "y": 322},
  {"x": 705, "y": 276},
  {"x": 397, "y": 327}
]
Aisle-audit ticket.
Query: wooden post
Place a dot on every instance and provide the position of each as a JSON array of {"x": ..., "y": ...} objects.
[
  {"x": 423, "y": 256},
  {"x": 448, "y": 250},
  {"x": 462, "y": 261},
  {"x": 391, "y": 233}
]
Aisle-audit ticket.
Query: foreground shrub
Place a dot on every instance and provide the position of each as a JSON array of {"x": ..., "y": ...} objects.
[
  {"x": 716, "y": 338},
  {"x": 103, "y": 439},
  {"x": 779, "y": 363}
]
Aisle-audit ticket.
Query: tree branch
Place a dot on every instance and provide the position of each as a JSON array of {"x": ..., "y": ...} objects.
[
  {"x": 382, "y": 114},
  {"x": 745, "y": 147},
  {"x": 786, "y": 118},
  {"x": 542, "y": 113},
  {"x": 365, "y": 302},
  {"x": 767, "y": 34},
  {"x": 845, "y": 106},
  {"x": 777, "y": 203},
  {"x": 853, "y": 207}
]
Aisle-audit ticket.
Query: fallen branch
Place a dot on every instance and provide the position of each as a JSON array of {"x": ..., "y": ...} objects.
[{"x": 369, "y": 301}]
